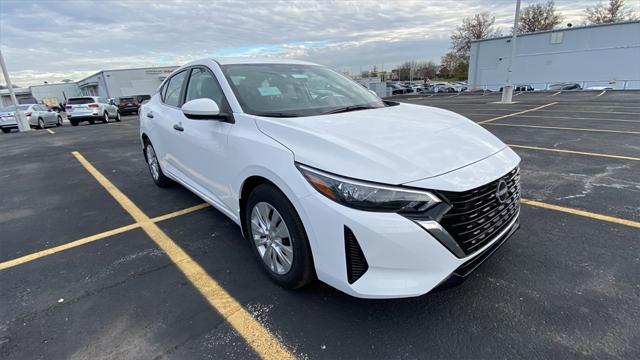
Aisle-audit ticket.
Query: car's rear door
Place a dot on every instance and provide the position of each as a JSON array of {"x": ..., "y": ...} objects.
[{"x": 160, "y": 116}]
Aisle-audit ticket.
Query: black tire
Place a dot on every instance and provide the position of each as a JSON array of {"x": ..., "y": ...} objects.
[
  {"x": 6, "y": 131},
  {"x": 302, "y": 271},
  {"x": 118, "y": 116},
  {"x": 73, "y": 122},
  {"x": 59, "y": 123},
  {"x": 160, "y": 179},
  {"x": 41, "y": 124},
  {"x": 105, "y": 118},
  {"x": 92, "y": 121}
]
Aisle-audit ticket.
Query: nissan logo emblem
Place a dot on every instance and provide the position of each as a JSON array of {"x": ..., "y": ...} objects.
[{"x": 502, "y": 191}]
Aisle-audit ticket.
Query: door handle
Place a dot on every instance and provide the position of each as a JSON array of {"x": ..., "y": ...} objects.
[
  {"x": 178, "y": 127},
  {"x": 150, "y": 115}
]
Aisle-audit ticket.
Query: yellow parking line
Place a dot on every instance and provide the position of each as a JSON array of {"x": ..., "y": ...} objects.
[
  {"x": 566, "y": 128},
  {"x": 51, "y": 131},
  {"x": 179, "y": 212},
  {"x": 588, "y": 214},
  {"x": 575, "y": 152},
  {"x": 67, "y": 246},
  {"x": 602, "y": 93},
  {"x": 92, "y": 238},
  {"x": 516, "y": 113},
  {"x": 465, "y": 113},
  {"x": 256, "y": 335}
]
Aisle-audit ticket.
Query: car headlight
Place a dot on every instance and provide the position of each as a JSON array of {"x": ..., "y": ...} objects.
[{"x": 368, "y": 196}]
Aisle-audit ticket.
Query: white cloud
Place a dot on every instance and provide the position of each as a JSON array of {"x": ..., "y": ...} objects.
[{"x": 52, "y": 40}]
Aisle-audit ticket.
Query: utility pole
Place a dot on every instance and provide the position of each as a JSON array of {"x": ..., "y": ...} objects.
[
  {"x": 23, "y": 124},
  {"x": 507, "y": 89}
]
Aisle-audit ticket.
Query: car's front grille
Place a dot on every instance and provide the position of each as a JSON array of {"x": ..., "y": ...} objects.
[{"x": 478, "y": 215}]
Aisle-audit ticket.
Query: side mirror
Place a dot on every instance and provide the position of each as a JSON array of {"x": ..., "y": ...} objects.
[{"x": 204, "y": 109}]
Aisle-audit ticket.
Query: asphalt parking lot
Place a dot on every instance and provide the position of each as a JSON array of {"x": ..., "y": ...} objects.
[{"x": 83, "y": 274}]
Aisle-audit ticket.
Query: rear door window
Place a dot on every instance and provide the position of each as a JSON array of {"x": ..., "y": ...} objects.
[{"x": 174, "y": 89}]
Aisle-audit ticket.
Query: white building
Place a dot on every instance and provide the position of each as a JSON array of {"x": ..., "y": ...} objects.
[
  {"x": 124, "y": 82},
  {"x": 595, "y": 55}
]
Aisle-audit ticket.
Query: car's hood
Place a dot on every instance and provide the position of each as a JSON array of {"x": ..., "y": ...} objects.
[{"x": 391, "y": 145}]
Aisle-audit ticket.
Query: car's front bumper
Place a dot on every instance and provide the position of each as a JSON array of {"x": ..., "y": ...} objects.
[{"x": 403, "y": 258}]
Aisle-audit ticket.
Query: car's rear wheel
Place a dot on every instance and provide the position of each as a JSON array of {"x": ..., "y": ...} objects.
[
  {"x": 105, "y": 118},
  {"x": 118, "y": 116},
  {"x": 73, "y": 122},
  {"x": 154, "y": 166},
  {"x": 6, "y": 131},
  {"x": 278, "y": 238},
  {"x": 92, "y": 121},
  {"x": 59, "y": 123},
  {"x": 41, "y": 124}
]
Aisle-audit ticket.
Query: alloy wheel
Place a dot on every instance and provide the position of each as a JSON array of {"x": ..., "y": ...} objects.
[
  {"x": 271, "y": 237},
  {"x": 152, "y": 161}
]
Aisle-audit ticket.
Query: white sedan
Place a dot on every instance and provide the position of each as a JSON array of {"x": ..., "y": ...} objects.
[
  {"x": 376, "y": 198},
  {"x": 38, "y": 115}
]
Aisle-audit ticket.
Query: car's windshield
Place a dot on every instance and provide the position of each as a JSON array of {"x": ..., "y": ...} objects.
[
  {"x": 13, "y": 108},
  {"x": 291, "y": 90}
]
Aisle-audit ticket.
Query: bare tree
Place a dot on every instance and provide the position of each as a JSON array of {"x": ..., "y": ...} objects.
[
  {"x": 539, "y": 17},
  {"x": 453, "y": 64},
  {"x": 614, "y": 11},
  {"x": 426, "y": 70},
  {"x": 476, "y": 27}
]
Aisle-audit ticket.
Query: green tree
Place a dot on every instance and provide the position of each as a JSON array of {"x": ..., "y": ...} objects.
[{"x": 539, "y": 17}]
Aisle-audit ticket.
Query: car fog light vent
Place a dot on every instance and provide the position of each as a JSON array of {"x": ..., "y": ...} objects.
[{"x": 356, "y": 262}]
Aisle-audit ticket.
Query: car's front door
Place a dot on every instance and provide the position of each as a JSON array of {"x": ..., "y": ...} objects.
[{"x": 201, "y": 144}]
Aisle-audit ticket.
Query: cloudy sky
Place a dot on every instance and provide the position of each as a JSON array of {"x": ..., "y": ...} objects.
[{"x": 51, "y": 40}]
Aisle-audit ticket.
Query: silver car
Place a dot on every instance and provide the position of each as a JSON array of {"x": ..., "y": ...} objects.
[
  {"x": 38, "y": 115},
  {"x": 91, "y": 108}
]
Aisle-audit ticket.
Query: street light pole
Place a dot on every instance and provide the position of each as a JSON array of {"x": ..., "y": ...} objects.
[
  {"x": 507, "y": 89},
  {"x": 23, "y": 124}
]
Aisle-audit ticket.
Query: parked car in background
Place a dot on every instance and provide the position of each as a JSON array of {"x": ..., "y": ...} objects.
[
  {"x": 128, "y": 105},
  {"x": 565, "y": 86},
  {"x": 521, "y": 88},
  {"x": 90, "y": 108},
  {"x": 326, "y": 180},
  {"x": 38, "y": 115},
  {"x": 599, "y": 88},
  {"x": 142, "y": 98},
  {"x": 396, "y": 89}
]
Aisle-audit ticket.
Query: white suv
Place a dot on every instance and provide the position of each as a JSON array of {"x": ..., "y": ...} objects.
[
  {"x": 376, "y": 198},
  {"x": 91, "y": 108}
]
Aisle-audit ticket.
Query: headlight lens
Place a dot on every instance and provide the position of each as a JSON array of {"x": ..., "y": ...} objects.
[{"x": 367, "y": 196}]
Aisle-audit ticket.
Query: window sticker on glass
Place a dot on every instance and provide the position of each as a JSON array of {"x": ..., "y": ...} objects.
[
  {"x": 269, "y": 91},
  {"x": 299, "y": 76}
]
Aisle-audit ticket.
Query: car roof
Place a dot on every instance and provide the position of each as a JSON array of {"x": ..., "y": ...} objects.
[{"x": 252, "y": 60}]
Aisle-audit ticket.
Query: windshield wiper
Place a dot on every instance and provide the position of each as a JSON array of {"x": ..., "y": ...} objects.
[
  {"x": 350, "y": 108},
  {"x": 277, "y": 114}
]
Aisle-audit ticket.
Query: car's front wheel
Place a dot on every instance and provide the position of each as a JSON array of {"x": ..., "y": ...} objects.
[
  {"x": 118, "y": 116},
  {"x": 59, "y": 123},
  {"x": 41, "y": 124},
  {"x": 278, "y": 238},
  {"x": 6, "y": 130},
  {"x": 105, "y": 119},
  {"x": 154, "y": 166}
]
